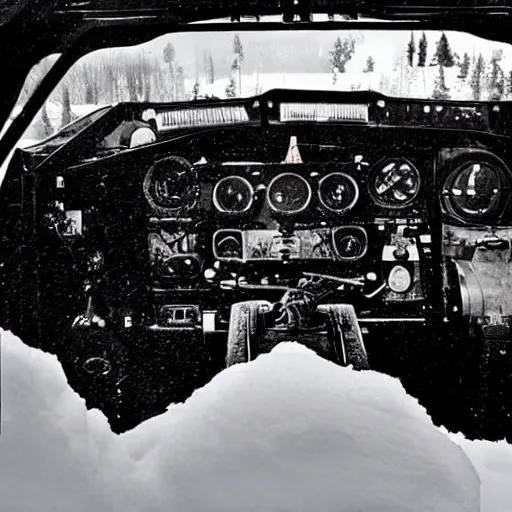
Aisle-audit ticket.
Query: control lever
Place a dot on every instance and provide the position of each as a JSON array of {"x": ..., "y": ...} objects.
[
  {"x": 232, "y": 284},
  {"x": 357, "y": 283}
]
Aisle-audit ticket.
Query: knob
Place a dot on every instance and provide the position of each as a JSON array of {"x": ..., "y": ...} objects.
[
  {"x": 371, "y": 276},
  {"x": 401, "y": 253},
  {"x": 209, "y": 274}
]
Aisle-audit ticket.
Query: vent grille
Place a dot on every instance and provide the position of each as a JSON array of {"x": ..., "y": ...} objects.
[
  {"x": 192, "y": 117},
  {"x": 356, "y": 112}
]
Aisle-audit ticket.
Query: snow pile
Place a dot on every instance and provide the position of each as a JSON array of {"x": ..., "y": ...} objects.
[
  {"x": 289, "y": 431},
  {"x": 53, "y": 452},
  {"x": 493, "y": 461}
]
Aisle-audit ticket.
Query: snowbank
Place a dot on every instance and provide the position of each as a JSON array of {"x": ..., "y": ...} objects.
[
  {"x": 289, "y": 431},
  {"x": 493, "y": 461},
  {"x": 52, "y": 450}
]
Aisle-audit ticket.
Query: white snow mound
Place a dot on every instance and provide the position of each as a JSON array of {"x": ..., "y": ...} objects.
[
  {"x": 493, "y": 461},
  {"x": 55, "y": 455},
  {"x": 293, "y": 432},
  {"x": 287, "y": 432}
]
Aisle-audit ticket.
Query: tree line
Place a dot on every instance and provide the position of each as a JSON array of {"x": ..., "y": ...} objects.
[
  {"x": 113, "y": 76},
  {"x": 485, "y": 80}
]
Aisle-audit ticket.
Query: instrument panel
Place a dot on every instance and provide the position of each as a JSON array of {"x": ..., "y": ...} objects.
[
  {"x": 270, "y": 218},
  {"x": 307, "y": 193}
]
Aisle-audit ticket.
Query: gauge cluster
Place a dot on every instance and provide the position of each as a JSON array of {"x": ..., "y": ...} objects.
[
  {"x": 214, "y": 221},
  {"x": 306, "y": 193}
]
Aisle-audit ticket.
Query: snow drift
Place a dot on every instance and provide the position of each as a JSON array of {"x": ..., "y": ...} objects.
[
  {"x": 493, "y": 461},
  {"x": 287, "y": 432}
]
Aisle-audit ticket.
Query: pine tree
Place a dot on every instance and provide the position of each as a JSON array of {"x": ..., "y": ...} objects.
[
  {"x": 441, "y": 92},
  {"x": 66, "y": 106},
  {"x": 411, "y": 50},
  {"x": 339, "y": 56},
  {"x": 238, "y": 59},
  {"x": 89, "y": 94},
  {"x": 231, "y": 88},
  {"x": 211, "y": 70},
  {"x": 370, "y": 65},
  {"x": 422, "y": 52},
  {"x": 464, "y": 67},
  {"x": 496, "y": 80},
  {"x": 477, "y": 77},
  {"x": 169, "y": 58},
  {"x": 443, "y": 56},
  {"x": 195, "y": 91},
  {"x": 47, "y": 125},
  {"x": 180, "y": 83}
]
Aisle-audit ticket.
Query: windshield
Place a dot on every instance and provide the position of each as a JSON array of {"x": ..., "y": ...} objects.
[{"x": 188, "y": 66}]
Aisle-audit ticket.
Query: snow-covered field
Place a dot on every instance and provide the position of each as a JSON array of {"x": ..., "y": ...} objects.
[{"x": 287, "y": 432}]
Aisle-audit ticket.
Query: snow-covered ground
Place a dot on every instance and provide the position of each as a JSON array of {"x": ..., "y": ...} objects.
[
  {"x": 287, "y": 432},
  {"x": 404, "y": 81}
]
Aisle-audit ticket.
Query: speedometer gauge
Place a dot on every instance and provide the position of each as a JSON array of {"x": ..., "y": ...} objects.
[
  {"x": 171, "y": 185},
  {"x": 233, "y": 194},
  {"x": 288, "y": 193},
  {"x": 338, "y": 192},
  {"x": 395, "y": 184}
]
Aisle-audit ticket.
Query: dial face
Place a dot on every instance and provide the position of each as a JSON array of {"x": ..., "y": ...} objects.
[
  {"x": 396, "y": 184},
  {"x": 474, "y": 190},
  {"x": 180, "y": 266},
  {"x": 349, "y": 246},
  {"x": 171, "y": 184},
  {"x": 350, "y": 243},
  {"x": 338, "y": 192},
  {"x": 288, "y": 193},
  {"x": 233, "y": 194},
  {"x": 228, "y": 244}
]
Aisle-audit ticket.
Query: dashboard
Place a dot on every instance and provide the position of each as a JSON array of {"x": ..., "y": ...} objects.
[
  {"x": 409, "y": 222},
  {"x": 198, "y": 223}
]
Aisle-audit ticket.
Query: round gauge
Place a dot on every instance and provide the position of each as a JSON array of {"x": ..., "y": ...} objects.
[
  {"x": 350, "y": 242},
  {"x": 474, "y": 190},
  {"x": 338, "y": 192},
  {"x": 396, "y": 184},
  {"x": 400, "y": 279},
  {"x": 288, "y": 193},
  {"x": 228, "y": 244},
  {"x": 233, "y": 194},
  {"x": 171, "y": 185}
]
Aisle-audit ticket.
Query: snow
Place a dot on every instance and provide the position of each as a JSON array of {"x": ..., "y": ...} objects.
[
  {"x": 287, "y": 432},
  {"x": 493, "y": 461}
]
